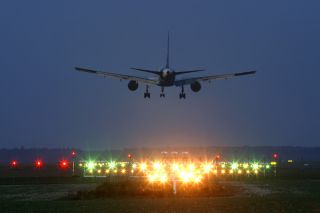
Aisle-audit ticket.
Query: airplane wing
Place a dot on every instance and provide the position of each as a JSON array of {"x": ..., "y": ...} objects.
[
  {"x": 212, "y": 77},
  {"x": 118, "y": 76}
]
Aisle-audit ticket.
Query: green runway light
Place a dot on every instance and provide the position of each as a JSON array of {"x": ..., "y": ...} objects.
[
  {"x": 234, "y": 165},
  {"x": 91, "y": 165},
  {"x": 255, "y": 166},
  {"x": 112, "y": 165}
]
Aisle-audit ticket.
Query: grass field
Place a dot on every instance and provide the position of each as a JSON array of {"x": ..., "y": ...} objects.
[{"x": 263, "y": 195}]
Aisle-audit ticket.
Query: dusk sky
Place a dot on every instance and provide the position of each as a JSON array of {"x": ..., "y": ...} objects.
[{"x": 45, "y": 103}]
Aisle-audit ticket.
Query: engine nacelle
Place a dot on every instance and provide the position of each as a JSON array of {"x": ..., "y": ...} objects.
[
  {"x": 133, "y": 85},
  {"x": 195, "y": 87}
]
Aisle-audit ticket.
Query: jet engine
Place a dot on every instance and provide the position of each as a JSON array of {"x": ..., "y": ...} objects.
[
  {"x": 133, "y": 85},
  {"x": 195, "y": 87}
]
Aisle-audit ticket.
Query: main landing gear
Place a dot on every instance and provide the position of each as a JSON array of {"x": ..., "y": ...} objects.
[
  {"x": 162, "y": 95},
  {"x": 182, "y": 94},
  {"x": 147, "y": 93}
]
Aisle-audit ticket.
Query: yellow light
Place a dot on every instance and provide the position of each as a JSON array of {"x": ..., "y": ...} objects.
[
  {"x": 239, "y": 172},
  {"x": 191, "y": 167},
  {"x": 234, "y": 166},
  {"x": 223, "y": 165},
  {"x": 248, "y": 171},
  {"x": 107, "y": 171},
  {"x": 134, "y": 166},
  {"x": 256, "y": 171},
  {"x": 197, "y": 179},
  {"x": 245, "y": 165},
  {"x": 152, "y": 177},
  {"x": 143, "y": 167},
  {"x": 99, "y": 171},
  {"x": 231, "y": 171},
  {"x": 175, "y": 167},
  {"x": 290, "y": 161},
  {"x": 186, "y": 176},
  {"x": 80, "y": 164},
  {"x": 123, "y": 171},
  {"x": 115, "y": 171},
  {"x": 215, "y": 171},
  {"x": 255, "y": 166},
  {"x": 223, "y": 171},
  {"x": 91, "y": 171},
  {"x": 207, "y": 168},
  {"x": 163, "y": 178},
  {"x": 123, "y": 165},
  {"x": 273, "y": 163},
  {"x": 157, "y": 166},
  {"x": 132, "y": 171}
]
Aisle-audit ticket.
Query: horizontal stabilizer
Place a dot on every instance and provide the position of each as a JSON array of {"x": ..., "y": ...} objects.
[
  {"x": 146, "y": 70},
  {"x": 189, "y": 71}
]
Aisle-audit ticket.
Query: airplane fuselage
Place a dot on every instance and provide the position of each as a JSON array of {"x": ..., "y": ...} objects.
[{"x": 167, "y": 77}]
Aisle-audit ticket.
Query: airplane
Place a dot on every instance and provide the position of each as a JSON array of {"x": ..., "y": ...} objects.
[{"x": 165, "y": 77}]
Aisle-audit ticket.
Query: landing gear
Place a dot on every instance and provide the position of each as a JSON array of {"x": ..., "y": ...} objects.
[
  {"x": 147, "y": 93},
  {"x": 162, "y": 95},
  {"x": 182, "y": 94}
]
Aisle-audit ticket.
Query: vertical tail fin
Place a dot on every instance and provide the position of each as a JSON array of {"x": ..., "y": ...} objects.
[{"x": 168, "y": 45}]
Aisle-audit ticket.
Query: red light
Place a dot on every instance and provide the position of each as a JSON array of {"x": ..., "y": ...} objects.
[
  {"x": 217, "y": 157},
  {"x": 64, "y": 164},
  {"x": 275, "y": 155},
  {"x": 73, "y": 153},
  {"x": 129, "y": 156},
  {"x": 14, "y": 163},
  {"x": 38, "y": 164}
]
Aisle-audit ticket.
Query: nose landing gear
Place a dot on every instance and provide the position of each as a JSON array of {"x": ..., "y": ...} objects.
[{"x": 162, "y": 95}]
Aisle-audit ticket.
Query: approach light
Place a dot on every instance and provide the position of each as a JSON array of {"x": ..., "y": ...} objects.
[
  {"x": 255, "y": 166},
  {"x": 143, "y": 167},
  {"x": 175, "y": 167},
  {"x": 63, "y": 164},
  {"x": 134, "y": 166},
  {"x": 90, "y": 165},
  {"x": 207, "y": 168},
  {"x": 191, "y": 167},
  {"x": 234, "y": 165},
  {"x": 245, "y": 165},
  {"x": 112, "y": 165},
  {"x": 163, "y": 178},
  {"x": 14, "y": 164},
  {"x": 157, "y": 166},
  {"x": 197, "y": 179},
  {"x": 38, "y": 164}
]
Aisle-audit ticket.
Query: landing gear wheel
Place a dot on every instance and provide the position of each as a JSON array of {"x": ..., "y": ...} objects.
[
  {"x": 182, "y": 95},
  {"x": 147, "y": 93}
]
